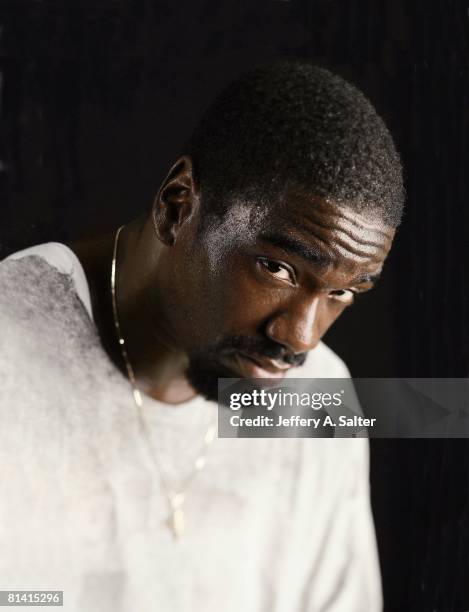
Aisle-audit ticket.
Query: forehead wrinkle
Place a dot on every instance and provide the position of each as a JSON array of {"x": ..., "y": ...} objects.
[
  {"x": 296, "y": 247},
  {"x": 327, "y": 256},
  {"x": 346, "y": 253},
  {"x": 349, "y": 233},
  {"x": 375, "y": 224},
  {"x": 323, "y": 222},
  {"x": 346, "y": 248},
  {"x": 342, "y": 247},
  {"x": 370, "y": 237},
  {"x": 326, "y": 208}
]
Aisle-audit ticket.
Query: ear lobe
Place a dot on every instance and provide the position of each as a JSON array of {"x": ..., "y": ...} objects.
[{"x": 175, "y": 202}]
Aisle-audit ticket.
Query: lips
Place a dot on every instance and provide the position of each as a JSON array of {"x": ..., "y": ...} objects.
[{"x": 254, "y": 366}]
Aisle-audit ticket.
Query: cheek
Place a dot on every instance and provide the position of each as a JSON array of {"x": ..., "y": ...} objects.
[
  {"x": 217, "y": 303},
  {"x": 244, "y": 303},
  {"x": 329, "y": 312}
]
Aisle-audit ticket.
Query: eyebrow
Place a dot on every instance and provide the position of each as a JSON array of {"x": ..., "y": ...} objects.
[
  {"x": 312, "y": 255},
  {"x": 296, "y": 247},
  {"x": 366, "y": 278}
]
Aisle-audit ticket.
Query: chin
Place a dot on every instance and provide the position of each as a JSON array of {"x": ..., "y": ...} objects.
[{"x": 203, "y": 375}]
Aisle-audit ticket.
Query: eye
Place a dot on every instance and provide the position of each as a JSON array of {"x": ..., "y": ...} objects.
[
  {"x": 277, "y": 270},
  {"x": 346, "y": 296}
]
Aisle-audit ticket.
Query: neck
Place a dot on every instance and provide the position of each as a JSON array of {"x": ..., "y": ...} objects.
[{"x": 158, "y": 363}]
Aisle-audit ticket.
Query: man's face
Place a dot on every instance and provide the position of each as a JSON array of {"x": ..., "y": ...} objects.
[{"x": 255, "y": 293}]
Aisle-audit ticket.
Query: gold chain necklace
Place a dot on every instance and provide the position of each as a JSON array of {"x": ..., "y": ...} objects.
[{"x": 176, "y": 497}]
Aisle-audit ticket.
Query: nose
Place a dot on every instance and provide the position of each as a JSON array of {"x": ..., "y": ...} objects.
[{"x": 296, "y": 327}]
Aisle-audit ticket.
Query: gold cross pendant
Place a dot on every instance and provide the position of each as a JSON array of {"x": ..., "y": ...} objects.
[{"x": 176, "y": 520}]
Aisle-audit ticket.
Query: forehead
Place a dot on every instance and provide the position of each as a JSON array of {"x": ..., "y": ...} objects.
[
  {"x": 332, "y": 234},
  {"x": 327, "y": 234}
]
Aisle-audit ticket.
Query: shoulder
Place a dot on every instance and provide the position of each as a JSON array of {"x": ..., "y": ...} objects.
[
  {"x": 322, "y": 362},
  {"x": 39, "y": 305},
  {"x": 30, "y": 286},
  {"x": 50, "y": 263}
]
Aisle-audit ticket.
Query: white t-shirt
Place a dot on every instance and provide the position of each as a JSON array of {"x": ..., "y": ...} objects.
[{"x": 272, "y": 525}]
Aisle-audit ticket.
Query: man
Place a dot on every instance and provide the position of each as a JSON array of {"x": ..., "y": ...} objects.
[{"x": 281, "y": 208}]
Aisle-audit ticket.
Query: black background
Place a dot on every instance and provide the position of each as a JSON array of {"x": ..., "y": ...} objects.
[{"x": 97, "y": 97}]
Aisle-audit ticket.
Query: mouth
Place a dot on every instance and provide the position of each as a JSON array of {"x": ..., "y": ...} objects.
[{"x": 250, "y": 366}]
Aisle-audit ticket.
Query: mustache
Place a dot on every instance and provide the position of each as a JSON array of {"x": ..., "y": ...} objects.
[{"x": 261, "y": 346}]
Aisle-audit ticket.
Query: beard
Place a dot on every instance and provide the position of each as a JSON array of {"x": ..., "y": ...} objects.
[
  {"x": 203, "y": 373},
  {"x": 206, "y": 366}
]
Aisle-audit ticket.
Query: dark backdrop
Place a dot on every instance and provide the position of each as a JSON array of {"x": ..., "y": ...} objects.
[{"x": 97, "y": 96}]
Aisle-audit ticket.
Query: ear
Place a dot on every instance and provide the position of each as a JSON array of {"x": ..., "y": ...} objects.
[{"x": 176, "y": 201}]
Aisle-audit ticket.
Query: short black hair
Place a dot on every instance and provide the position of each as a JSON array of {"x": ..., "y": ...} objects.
[{"x": 295, "y": 124}]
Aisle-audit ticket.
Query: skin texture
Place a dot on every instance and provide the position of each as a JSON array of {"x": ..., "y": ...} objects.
[{"x": 264, "y": 281}]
